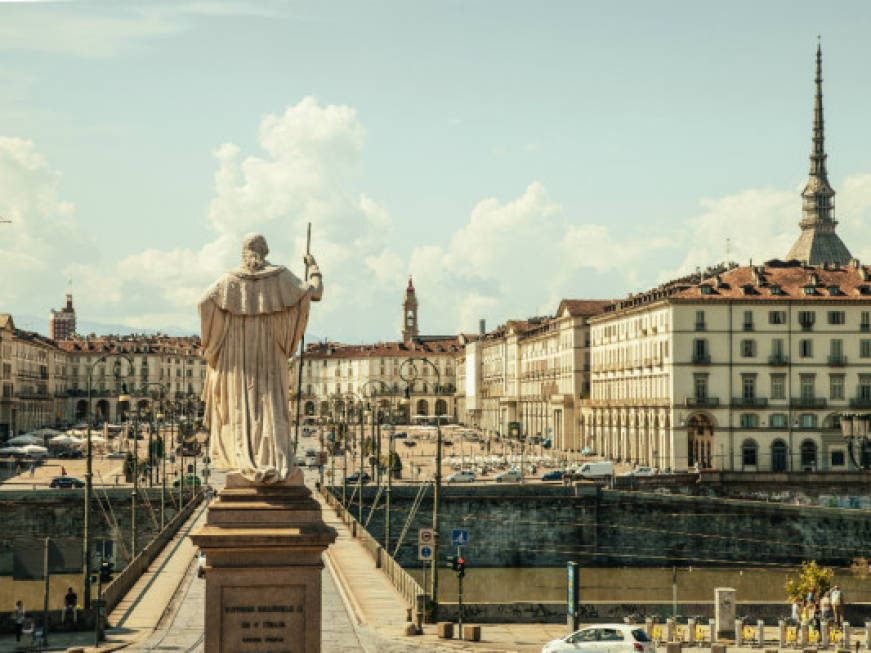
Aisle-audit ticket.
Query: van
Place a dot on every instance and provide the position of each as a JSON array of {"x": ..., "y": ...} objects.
[{"x": 595, "y": 470}]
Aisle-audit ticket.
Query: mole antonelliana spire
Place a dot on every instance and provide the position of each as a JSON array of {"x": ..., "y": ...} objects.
[{"x": 818, "y": 242}]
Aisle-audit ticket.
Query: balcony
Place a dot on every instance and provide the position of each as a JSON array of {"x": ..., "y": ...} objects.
[
  {"x": 778, "y": 359},
  {"x": 838, "y": 360},
  {"x": 701, "y": 359},
  {"x": 860, "y": 402},
  {"x": 807, "y": 402},
  {"x": 749, "y": 402},
  {"x": 702, "y": 402}
]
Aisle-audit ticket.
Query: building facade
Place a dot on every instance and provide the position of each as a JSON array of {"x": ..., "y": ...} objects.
[{"x": 62, "y": 323}]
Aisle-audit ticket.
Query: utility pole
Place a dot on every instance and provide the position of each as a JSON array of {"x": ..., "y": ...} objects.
[{"x": 45, "y": 594}]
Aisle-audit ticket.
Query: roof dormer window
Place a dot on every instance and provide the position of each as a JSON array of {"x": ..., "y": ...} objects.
[
  {"x": 706, "y": 289},
  {"x": 834, "y": 290},
  {"x": 810, "y": 290},
  {"x": 776, "y": 290}
]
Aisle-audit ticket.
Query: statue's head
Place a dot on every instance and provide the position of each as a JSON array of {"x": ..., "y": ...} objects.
[{"x": 254, "y": 251}]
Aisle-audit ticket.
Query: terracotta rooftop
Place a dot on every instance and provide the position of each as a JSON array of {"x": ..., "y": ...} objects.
[
  {"x": 381, "y": 349},
  {"x": 131, "y": 344},
  {"x": 585, "y": 307}
]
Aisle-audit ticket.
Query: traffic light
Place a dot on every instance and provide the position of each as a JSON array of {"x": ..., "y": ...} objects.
[
  {"x": 453, "y": 562},
  {"x": 461, "y": 567}
]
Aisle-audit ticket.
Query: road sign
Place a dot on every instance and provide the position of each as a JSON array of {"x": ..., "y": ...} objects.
[
  {"x": 424, "y": 552},
  {"x": 425, "y": 536},
  {"x": 459, "y": 537}
]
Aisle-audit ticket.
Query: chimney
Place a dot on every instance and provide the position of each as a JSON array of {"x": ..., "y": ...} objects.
[{"x": 482, "y": 326}]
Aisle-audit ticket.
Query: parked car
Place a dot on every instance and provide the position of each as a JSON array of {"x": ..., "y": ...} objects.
[
  {"x": 463, "y": 476},
  {"x": 70, "y": 453},
  {"x": 509, "y": 476},
  {"x": 586, "y": 451},
  {"x": 552, "y": 475},
  {"x": 191, "y": 480},
  {"x": 596, "y": 470},
  {"x": 400, "y": 435},
  {"x": 613, "y": 638},
  {"x": 642, "y": 471},
  {"x": 66, "y": 482},
  {"x": 352, "y": 478},
  {"x": 409, "y": 443},
  {"x": 116, "y": 454}
]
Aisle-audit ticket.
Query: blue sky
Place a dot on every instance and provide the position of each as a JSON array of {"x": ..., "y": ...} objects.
[{"x": 507, "y": 154}]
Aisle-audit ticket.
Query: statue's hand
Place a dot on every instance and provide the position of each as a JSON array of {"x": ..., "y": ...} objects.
[{"x": 309, "y": 260}]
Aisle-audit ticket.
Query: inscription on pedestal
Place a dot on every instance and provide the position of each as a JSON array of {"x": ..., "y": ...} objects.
[{"x": 263, "y": 619}]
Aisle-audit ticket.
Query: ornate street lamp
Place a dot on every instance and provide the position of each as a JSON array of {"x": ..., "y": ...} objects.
[{"x": 855, "y": 429}]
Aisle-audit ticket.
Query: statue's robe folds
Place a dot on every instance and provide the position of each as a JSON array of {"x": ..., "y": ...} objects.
[{"x": 252, "y": 323}]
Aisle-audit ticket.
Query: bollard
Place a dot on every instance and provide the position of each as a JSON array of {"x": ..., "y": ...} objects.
[
  {"x": 712, "y": 633},
  {"x": 718, "y": 648},
  {"x": 669, "y": 629},
  {"x": 445, "y": 630},
  {"x": 691, "y": 631},
  {"x": 803, "y": 638},
  {"x": 781, "y": 633},
  {"x": 868, "y": 634},
  {"x": 760, "y": 633},
  {"x": 648, "y": 627},
  {"x": 845, "y": 643},
  {"x": 739, "y": 632},
  {"x": 824, "y": 634},
  {"x": 673, "y": 647},
  {"x": 472, "y": 633}
]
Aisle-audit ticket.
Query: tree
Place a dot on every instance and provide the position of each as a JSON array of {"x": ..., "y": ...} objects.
[{"x": 811, "y": 578}]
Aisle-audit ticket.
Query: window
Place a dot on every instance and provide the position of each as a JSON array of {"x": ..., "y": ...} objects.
[
  {"x": 701, "y": 385},
  {"x": 864, "y": 391},
  {"x": 749, "y": 453},
  {"x": 610, "y": 635},
  {"x": 865, "y": 348},
  {"x": 806, "y": 348},
  {"x": 807, "y": 386},
  {"x": 807, "y": 420},
  {"x": 838, "y": 458},
  {"x": 865, "y": 321},
  {"x": 777, "y": 421},
  {"x": 706, "y": 289},
  {"x": 806, "y": 319},
  {"x": 836, "y": 386},
  {"x": 836, "y": 348},
  {"x": 808, "y": 455},
  {"x": 837, "y": 317},
  {"x": 700, "y": 320},
  {"x": 749, "y": 420},
  {"x": 748, "y": 320},
  {"x": 776, "y": 289},
  {"x": 589, "y": 635},
  {"x": 700, "y": 349},
  {"x": 748, "y": 348},
  {"x": 777, "y": 317},
  {"x": 748, "y": 384}
]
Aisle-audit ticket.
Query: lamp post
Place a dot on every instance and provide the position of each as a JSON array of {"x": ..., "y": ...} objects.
[
  {"x": 855, "y": 429},
  {"x": 408, "y": 373},
  {"x": 377, "y": 413},
  {"x": 89, "y": 483}
]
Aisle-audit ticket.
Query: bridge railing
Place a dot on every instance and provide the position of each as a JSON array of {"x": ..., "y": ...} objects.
[
  {"x": 124, "y": 581},
  {"x": 405, "y": 584}
]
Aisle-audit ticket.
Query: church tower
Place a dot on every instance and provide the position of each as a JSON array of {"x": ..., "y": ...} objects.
[
  {"x": 818, "y": 242},
  {"x": 409, "y": 313},
  {"x": 62, "y": 323}
]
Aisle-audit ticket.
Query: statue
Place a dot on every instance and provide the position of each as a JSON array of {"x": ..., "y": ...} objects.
[{"x": 252, "y": 320}]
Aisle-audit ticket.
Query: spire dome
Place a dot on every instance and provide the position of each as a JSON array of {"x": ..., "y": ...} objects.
[{"x": 818, "y": 242}]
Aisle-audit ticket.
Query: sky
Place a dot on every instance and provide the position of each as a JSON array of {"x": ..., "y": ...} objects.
[{"x": 506, "y": 154}]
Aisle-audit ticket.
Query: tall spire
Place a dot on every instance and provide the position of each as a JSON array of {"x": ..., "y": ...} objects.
[{"x": 818, "y": 242}]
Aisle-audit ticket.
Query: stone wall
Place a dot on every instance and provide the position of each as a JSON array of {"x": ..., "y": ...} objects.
[{"x": 547, "y": 525}]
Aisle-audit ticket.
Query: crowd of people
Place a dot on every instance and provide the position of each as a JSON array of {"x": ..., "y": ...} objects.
[{"x": 820, "y": 607}]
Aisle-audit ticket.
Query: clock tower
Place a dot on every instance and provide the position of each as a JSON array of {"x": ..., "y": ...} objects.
[{"x": 409, "y": 313}]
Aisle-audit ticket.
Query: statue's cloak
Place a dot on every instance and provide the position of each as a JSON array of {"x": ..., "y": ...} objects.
[{"x": 252, "y": 323}]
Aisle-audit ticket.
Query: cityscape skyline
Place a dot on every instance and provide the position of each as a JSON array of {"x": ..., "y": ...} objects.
[{"x": 610, "y": 196}]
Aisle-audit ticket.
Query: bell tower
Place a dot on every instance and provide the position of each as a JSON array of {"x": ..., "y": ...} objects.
[{"x": 409, "y": 313}]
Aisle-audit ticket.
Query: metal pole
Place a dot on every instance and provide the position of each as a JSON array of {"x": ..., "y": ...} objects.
[
  {"x": 135, "y": 485},
  {"x": 45, "y": 594},
  {"x": 674, "y": 591},
  {"x": 360, "y": 476},
  {"x": 86, "y": 540},
  {"x": 98, "y": 604},
  {"x": 389, "y": 490},
  {"x": 162, "y": 476},
  {"x": 308, "y": 240},
  {"x": 151, "y": 448},
  {"x": 459, "y": 598},
  {"x": 435, "y": 513}
]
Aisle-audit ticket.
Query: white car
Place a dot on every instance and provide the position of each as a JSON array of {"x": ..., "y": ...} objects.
[
  {"x": 509, "y": 476},
  {"x": 463, "y": 476},
  {"x": 642, "y": 471},
  {"x": 604, "y": 638}
]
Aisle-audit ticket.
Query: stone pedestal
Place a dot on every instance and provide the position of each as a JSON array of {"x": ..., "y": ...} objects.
[
  {"x": 263, "y": 546},
  {"x": 724, "y": 612}
]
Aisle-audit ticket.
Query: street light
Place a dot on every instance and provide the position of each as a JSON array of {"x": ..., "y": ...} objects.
[
  {"x": 408, "y": 373},
  {"x": 86, "y": 540},
  {"x": 377, "y": 412},
  {"x": 855, "y": 429}
]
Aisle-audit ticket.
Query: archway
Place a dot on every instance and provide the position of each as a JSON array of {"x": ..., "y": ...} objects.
[
  {"x": 700, "y": 441},
  {"x": 809, "y": 456},
  {"x": 441, "y": 407},
  {"x": 81, "y": 410},
  {"x": 778, "y": 456},
  {"x": 309, "y": 408},
  {"x": 101, "y": 412},
  {"x": 422, "y": 408}
]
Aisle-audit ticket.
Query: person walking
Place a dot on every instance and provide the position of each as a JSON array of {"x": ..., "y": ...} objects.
[
  {"x": 19, "y": 616},
  {"x": 826, "y": 607},
  {"x": 837, "y": 598},
  {"x": 796, "y": 611}
]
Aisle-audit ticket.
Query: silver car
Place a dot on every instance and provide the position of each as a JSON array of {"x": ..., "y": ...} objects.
[{"x": 603, "y": 638}]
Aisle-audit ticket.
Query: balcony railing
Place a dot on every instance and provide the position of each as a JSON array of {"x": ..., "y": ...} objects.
[
  {"x": 700, "y": 326},
  {"x": 860, "y": 402},
  {"x": 701, "y": 359},
  {"x": 702, "y": 402},
  {"x": 778, "y": 359},
  {"x": 750, "y": 402},
  {"x": 837, "y": 359},
  {"x": 807, "y": 402}
]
